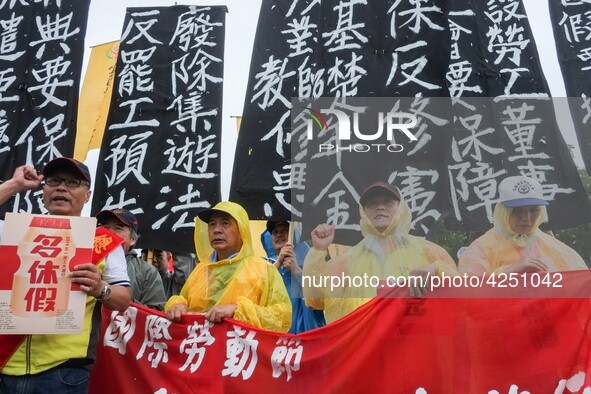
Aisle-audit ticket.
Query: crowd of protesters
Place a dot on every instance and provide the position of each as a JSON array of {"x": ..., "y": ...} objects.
[{"x": 230, "y": 281}]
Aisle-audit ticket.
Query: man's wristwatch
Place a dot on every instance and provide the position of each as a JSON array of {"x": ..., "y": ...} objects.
[{"x": 105, "y": 293}]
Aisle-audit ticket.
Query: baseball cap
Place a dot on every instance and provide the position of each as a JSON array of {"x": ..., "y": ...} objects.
[
  {"x": 221, "y": 207},
  {"x": 66, "y": 162},
  {"x": 518, "y": 191},
  {"x": 379, "y": 188},
  {"x": 272, "y": 223},
  {"x": 123, "y": 215}
]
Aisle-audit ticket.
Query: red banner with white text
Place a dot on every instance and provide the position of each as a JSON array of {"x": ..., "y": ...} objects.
[{"x": 436, "y": 344}]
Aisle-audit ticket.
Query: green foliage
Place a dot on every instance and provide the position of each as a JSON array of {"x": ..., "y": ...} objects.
[{"x": 450, "y": 240}]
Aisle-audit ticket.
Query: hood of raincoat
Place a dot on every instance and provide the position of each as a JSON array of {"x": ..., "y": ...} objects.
[
  {"x": 399, "y": 227},
  {"x": 501, "y": 217},
  {"x": 202, "y": 244}
]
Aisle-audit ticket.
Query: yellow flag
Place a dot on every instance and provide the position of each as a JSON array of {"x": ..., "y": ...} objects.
[
  {"x": 95, "y": 98},
  {"x": 257, "y": 227},
  {"x": 238, "y": 122}
]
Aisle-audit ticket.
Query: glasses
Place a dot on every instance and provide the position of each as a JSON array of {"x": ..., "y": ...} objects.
[{"x": 70, "y": 183}]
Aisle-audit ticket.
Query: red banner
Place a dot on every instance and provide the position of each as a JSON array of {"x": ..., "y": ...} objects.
[{"x": 397, "y": 345}]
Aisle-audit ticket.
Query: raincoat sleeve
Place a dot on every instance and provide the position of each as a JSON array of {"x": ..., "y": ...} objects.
[
  {"x": 439, "y": 256},
  {"x": 474, "y": 261},
  {"x": 313, "y": 273},
  {"x": 273, "y": 312}
]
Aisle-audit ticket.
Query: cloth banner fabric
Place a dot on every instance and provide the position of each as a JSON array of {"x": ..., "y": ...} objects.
[
  {"x": 160, "y": 156},
  {"x": 279, "y": 69},
  {"x": 414, "y": 51},
  {"x": 435, "y": 344},
  {"x": 513, "y": 129},
  {"x": 41, "y": 52},
  {"x": 571, "y": 22}
]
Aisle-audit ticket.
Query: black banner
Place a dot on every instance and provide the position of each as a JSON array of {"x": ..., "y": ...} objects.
[
  {"x": 417, "y": 51},
  {"x": 384, "y": 49},
  {"x": 160, "y": 156},
  {"x": 512, "y": 129},
  {"x": 283, "y": 66},
  {"x": 41, "y": 51},
  {"x": 360, "y": 49},
  {"x": 571, "y": 22}
]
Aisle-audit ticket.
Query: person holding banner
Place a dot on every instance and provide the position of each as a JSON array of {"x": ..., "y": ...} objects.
[
  {"x": 146, "y": 284},
  {"x": 182, "y": 265},
  {"x": 62, "y": 363},
  {"x": 515, "y": 243},
  {"x": 230, "y": 281},
  {"x": 303, "y": 318},
  {"x": 387, "y": 250}
]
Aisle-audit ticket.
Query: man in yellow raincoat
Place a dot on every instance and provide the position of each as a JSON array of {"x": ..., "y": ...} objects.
[
  {"x": 516, "y": 244},
  {"x": 230, "y": 281},
  {"x": 387, "y": 250}
]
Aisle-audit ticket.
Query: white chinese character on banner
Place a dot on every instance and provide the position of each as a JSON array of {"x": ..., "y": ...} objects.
[
  {"x": 192, "y": 69},
  {"x": 239, "y": 352},
  {"x": 477, "y": 180},
  {"x": 8, "y": 38},
  {"x": 282, "y": 187},
  {"x": 346, "y": 34},
  {"x": 344, "y": 76},
  {"x": 190, "y": 110},
  {"x": 128, "y": 158},
  {"x": 54, "y": 30},
  {"x": 142, "y": 27},
  {"x": 576, "y": 29},
  {"x": 269, "y": 83},
  {"x": 310, "y": 81},
  {"x": 286, "y": 357},
  {"x": 521, "y": 130},
  {"x": 193, "y": 28},
  {"x": 4, "y": 140},
  {"x": 411, "y": 70},
  {"x": 53, "y": 129},
  {"x": 472, "y": 144},
  {"x": 586, "y": 106},
  {"x": 585, "y": 56},
  {"x": 156, "y": 330},
  {"x": 416, "y": 15},
  {"x": 7, "y": 78},
  {"x": 301, "y": 31},
  {"x": 195, "y": 345},
  {"x": 189, "y": 160},
  {"x": 12, "y": 3},
  {"x": 412, "y": 182},
  {"x": 136, "y": 75},
  {"x": 186, "y": 204},
  {"x": 120, "y": 329},
  {"x": 121, "y": 201},
  {"x": 51, "y": 78},
  {"x": 133, "y": 108},
  {"x": 338, "y": 213}
]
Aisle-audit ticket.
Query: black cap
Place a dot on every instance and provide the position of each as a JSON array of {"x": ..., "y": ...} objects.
[
  {"x": 123, "y": 215},
  {"x": 206, "y": 214},
  {"x": 66, "y": 162},
  {"x": 272, "y": 223},
  {"x": 379, "y": 188}
]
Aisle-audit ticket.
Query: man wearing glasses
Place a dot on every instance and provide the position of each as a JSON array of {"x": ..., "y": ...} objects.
[{"x": 62, "y": 363}]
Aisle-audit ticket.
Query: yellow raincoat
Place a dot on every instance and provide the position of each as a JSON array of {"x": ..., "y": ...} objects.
[
  {"x": 500, "y": 247},
  {"x": 393, "y": 252},
  {"x": 250, "y": 282}
]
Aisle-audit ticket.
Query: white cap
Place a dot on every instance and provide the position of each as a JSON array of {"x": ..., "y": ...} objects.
[{"x": 518, "y": 191}]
